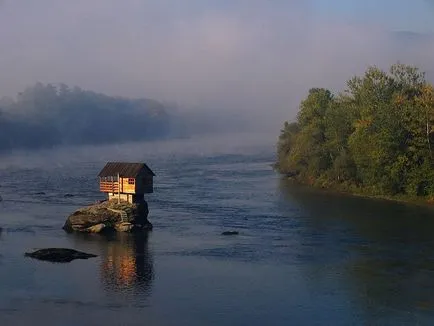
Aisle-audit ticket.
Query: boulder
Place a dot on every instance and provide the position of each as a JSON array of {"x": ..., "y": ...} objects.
[
  {"x": 109, "y": 216},
  {"x": 58, "y": 255},
  {"x": 230, "y": 233}
]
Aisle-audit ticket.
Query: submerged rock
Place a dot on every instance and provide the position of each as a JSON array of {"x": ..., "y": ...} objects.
[
  {"x": 230, "y": 233},
  {"x": 109, "y": 216},
  {"x": 58, "y": 255}
]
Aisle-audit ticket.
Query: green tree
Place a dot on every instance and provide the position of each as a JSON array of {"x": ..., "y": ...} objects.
[{"x": 377, "y": 136}]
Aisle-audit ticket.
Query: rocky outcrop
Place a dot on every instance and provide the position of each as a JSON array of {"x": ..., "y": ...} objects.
[
  {"x": 58, "y": 255},
  {"x": 109, "y": 216}
]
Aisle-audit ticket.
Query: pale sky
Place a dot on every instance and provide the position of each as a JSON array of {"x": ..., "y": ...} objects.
[
  {"x": 408, "y": 15},
  {"x": 257, "y": 56}
]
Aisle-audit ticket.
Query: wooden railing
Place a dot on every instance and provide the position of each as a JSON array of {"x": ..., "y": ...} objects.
[{"x": 109, "y": 186}]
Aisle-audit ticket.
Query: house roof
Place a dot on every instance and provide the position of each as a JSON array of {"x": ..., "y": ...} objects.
[{"x": 125, "y": 170}]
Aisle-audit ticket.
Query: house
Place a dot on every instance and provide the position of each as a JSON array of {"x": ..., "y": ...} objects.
[{"x": 126, "y": 181}]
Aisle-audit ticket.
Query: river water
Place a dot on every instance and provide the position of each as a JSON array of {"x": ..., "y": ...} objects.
[{"x": 303, "y": 257}]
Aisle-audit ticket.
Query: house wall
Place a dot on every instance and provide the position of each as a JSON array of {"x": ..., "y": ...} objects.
[
  {"x": 131, "y": 192},
  {"x": 144, "y": 184},
  {"x": 126, "y": 187}
]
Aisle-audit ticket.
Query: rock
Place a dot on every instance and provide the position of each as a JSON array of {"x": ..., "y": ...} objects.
[
  {"x": 40, "y": 193},
  {"x": 109, "y": 216},
  {"x": 68, "y": 195},
  {"x": 58, "y": 255},
  {"x": 97, "y": 228},
  {"x": 230, "y": 233},
  {"x": 147, "y": 226},
  {"x": 124, "y": 227}
]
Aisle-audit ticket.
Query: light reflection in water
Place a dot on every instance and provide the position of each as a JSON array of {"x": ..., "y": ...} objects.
[{"x": 126, "y": 263}]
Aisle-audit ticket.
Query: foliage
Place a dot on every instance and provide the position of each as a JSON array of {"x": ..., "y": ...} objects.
[
  {"x": 48, "y": 115},
  {"x": 376, "y": 137}
]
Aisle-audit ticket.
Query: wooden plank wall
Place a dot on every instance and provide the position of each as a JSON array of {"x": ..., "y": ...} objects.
[
  {"x": 141, "y": 185},
  {"x": 127, "y": 188}
]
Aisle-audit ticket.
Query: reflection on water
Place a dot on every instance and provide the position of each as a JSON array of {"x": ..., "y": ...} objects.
[
  {"x": 126, "y": 263},
  {"x": 303, "y": 256},
  {"x": 383, "y": 249}
]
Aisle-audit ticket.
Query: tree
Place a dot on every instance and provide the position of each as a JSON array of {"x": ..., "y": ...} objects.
[
  {"x": 376, "y": 136},
  {"x": 48, "y": 115}
]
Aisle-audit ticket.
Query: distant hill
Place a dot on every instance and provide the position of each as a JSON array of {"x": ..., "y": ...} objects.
[{"x": 49, "y": 115}]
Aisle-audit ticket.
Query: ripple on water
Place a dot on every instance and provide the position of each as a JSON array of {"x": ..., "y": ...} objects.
[{"x": 300, "y": 257}]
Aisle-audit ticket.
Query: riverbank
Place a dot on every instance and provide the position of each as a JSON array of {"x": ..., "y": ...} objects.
[{"x": 351, "y": 190}]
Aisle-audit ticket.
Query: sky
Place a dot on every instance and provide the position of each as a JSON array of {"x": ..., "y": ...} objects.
[
  {"x": 258, "y": 57},
  {"x": 407, "y": 15}
]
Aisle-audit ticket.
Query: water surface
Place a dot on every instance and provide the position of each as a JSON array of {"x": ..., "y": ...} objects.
[{"x": 303, "y": 257}]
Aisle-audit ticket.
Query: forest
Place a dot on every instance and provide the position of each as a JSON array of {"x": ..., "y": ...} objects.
[
  {"x": 47, "y": 115},
  {"x": 374, "y": 138}
]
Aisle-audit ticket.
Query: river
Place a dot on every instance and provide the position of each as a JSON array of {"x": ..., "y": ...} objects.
[{"x": 303, "y": 256}]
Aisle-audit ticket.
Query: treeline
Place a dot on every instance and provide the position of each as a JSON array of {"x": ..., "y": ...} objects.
[
  {"x": 48, "y": 115},
  {"x": 376, "y": 137}
]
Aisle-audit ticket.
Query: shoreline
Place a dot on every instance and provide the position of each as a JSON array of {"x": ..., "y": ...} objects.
[{"x": 416, "y": 201}]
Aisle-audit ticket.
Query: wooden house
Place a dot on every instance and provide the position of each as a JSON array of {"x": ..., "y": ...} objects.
[{"x": 126, "y": 181}]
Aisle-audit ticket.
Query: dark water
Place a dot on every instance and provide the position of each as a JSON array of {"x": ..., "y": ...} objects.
[{"x": 303, "y": 257}]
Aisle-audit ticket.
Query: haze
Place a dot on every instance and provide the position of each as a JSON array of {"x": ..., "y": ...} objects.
[{"x": 254, "y": 57}]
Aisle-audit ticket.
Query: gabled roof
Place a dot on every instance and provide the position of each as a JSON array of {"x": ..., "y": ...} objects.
[{"x": 125, "y": 170}]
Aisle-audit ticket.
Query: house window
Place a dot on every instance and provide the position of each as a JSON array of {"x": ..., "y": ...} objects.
[{"x": 131, "y": 181}]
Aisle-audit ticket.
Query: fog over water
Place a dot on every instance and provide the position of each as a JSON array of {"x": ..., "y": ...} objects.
[
  {"x": 229, "y": 144},
  {"x": 209, "y": 83},
  {"x": 251, "y": 57}
]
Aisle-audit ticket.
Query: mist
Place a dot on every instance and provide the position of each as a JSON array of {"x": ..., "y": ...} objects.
[{"x": 241, "y": 61}]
